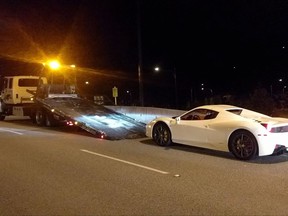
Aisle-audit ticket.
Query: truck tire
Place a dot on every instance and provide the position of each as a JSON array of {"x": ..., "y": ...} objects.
[
  {"x": 2, "y": 117},
  {"x": 33, "y": 118},
  {"x": 2, "y": 105},
  {"x": 40, "y": 117},
  {"x": 49, "y": 120}
]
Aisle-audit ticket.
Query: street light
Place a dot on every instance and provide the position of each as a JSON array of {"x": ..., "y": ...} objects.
[
  {"x": 157, "y": 69},
  {"x": 204, "y": 89},
  {"x": 280, "y": 80},
  {"x": 54, "y": 65}
]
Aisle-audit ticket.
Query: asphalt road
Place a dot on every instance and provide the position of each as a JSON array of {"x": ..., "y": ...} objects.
[{"x": 62, "y": 171}]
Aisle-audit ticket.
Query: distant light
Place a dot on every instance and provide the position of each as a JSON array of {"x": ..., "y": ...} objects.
[
  {"x": 283, "y": 47},
  {"x": 73, "y": 66},
  {"x": 87, "y": 82},
  {"x": 280, "y": 80},
  {"x": 157, "y": 69}
]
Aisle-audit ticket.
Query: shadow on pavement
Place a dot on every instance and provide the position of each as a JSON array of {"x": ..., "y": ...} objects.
[{"x": 271, "y": 159}]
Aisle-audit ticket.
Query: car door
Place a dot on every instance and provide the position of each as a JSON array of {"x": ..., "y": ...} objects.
[{"x": 191, "y": 129}]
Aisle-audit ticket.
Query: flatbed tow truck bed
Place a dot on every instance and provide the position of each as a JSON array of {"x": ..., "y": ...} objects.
[{"x": 95, "y": 119}]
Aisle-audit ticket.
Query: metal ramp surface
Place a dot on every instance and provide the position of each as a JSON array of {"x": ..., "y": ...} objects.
[{"x": 95, "y": 119}]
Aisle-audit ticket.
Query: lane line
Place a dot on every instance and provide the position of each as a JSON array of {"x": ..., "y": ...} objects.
[
  {"x": 127, "y": 162},
  {"x": 11, "y": 131}
]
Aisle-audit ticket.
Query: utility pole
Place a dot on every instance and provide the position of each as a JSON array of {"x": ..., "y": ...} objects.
[
  {"x": 140, "y": 79},
  {"x": 175, "y": 86}
]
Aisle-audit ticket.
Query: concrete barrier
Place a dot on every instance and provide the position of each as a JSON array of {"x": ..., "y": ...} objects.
[{"x": 145, "y": 114}]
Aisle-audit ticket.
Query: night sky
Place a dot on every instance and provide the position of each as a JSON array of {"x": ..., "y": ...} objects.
[{"x": 230, "y": 46}]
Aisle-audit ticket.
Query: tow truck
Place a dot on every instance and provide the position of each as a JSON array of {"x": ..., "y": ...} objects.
[{"x": 52, "y": 103}]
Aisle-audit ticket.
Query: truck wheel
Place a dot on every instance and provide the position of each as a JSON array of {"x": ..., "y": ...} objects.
[
  {"x": 49, "y": 120},
  {"x": 40, "y": 117},
  {"x": 2, "y": 110},
  {"x": 33, "y": 118},
  {"x": 2, "y": 117}
]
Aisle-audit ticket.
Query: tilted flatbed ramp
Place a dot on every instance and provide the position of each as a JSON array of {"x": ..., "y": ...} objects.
[{"x": 95, "y": 119}]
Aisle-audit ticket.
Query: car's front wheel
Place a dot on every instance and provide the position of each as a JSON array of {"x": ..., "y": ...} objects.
[
  {"x": 243, "y": 145},
  {"x": 162, "y": 134}
]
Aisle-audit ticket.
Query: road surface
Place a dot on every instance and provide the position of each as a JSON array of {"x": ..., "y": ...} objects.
[{"x": 62, "y": 171}]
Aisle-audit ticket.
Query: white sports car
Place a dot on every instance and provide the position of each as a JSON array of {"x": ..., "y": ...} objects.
[{"x": 244, "y": 133}]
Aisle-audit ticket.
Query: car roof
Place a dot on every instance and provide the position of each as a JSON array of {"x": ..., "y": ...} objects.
[{"x": 218, "y": 107}]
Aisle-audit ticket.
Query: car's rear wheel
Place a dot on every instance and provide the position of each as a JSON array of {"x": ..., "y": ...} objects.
[
  {"x": 243, "y": 145},
  {"x": 162, "y": 134}
]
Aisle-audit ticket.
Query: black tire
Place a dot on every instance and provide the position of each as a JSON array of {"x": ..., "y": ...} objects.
[
  {"x": 49, "y": 120},
  {"x": 162, "y": 134},
  {"x": 2, "y": 117},
  {"x": 2, "y": 110},
  {"x": 243, "y": 145},
  {"x": 40, "y": 117},
  {"x": 33, "y": 118}
]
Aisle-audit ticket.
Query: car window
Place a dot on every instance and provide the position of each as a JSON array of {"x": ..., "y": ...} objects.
[
  {"x": 200, "y": 114},
  {"x": 235, "y": 111},
  {"x": 211, "y": 114}
]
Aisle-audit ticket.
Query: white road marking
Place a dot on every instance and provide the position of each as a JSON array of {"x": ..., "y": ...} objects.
[
  {"x": 127, "y": 162},
  {"x": 11, "y": 131}
]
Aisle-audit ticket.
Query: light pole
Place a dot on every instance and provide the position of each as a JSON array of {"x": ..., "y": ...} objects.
[
  {"x": 175, "y": 86},
  {"x": 157, "y": 69},
  {"x": 204, "y": 89},
  {"x": 271, "y": 86},
  {"x": 75, "y": 78}
]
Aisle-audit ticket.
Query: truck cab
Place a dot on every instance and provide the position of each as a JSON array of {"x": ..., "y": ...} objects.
[
  {"x": 19, "y": 89},
  {"x": 17, "y": 94}
]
